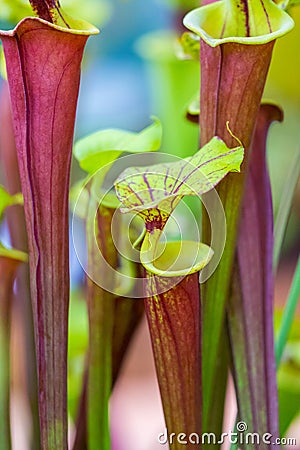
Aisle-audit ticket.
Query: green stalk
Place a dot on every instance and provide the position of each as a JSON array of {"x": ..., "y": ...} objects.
[
  {"x": 288, "y": 314},
  {"x": 99, "y": 368},
  {"x": 101, "y": 312}
]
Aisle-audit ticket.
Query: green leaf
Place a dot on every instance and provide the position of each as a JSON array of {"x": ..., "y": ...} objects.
[
  {"x": 258, "y": 22},
  {"x": 155, "y": 191},
  {"x": 102, "y": 148},
  {"x": 97, "y": 152}
]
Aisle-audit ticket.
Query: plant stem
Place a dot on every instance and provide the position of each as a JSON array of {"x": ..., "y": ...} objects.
[
  {"x": 99, "y": 367},
  {"x": 101, "y": 314}
]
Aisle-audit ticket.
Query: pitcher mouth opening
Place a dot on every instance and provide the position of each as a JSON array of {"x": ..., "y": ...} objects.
[
  {"x": 174, "y": 258},
  {"x": 215, "y": 25}
]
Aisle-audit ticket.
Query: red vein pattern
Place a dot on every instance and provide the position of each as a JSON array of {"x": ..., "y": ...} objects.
[{"x": 174, "y": 320}]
